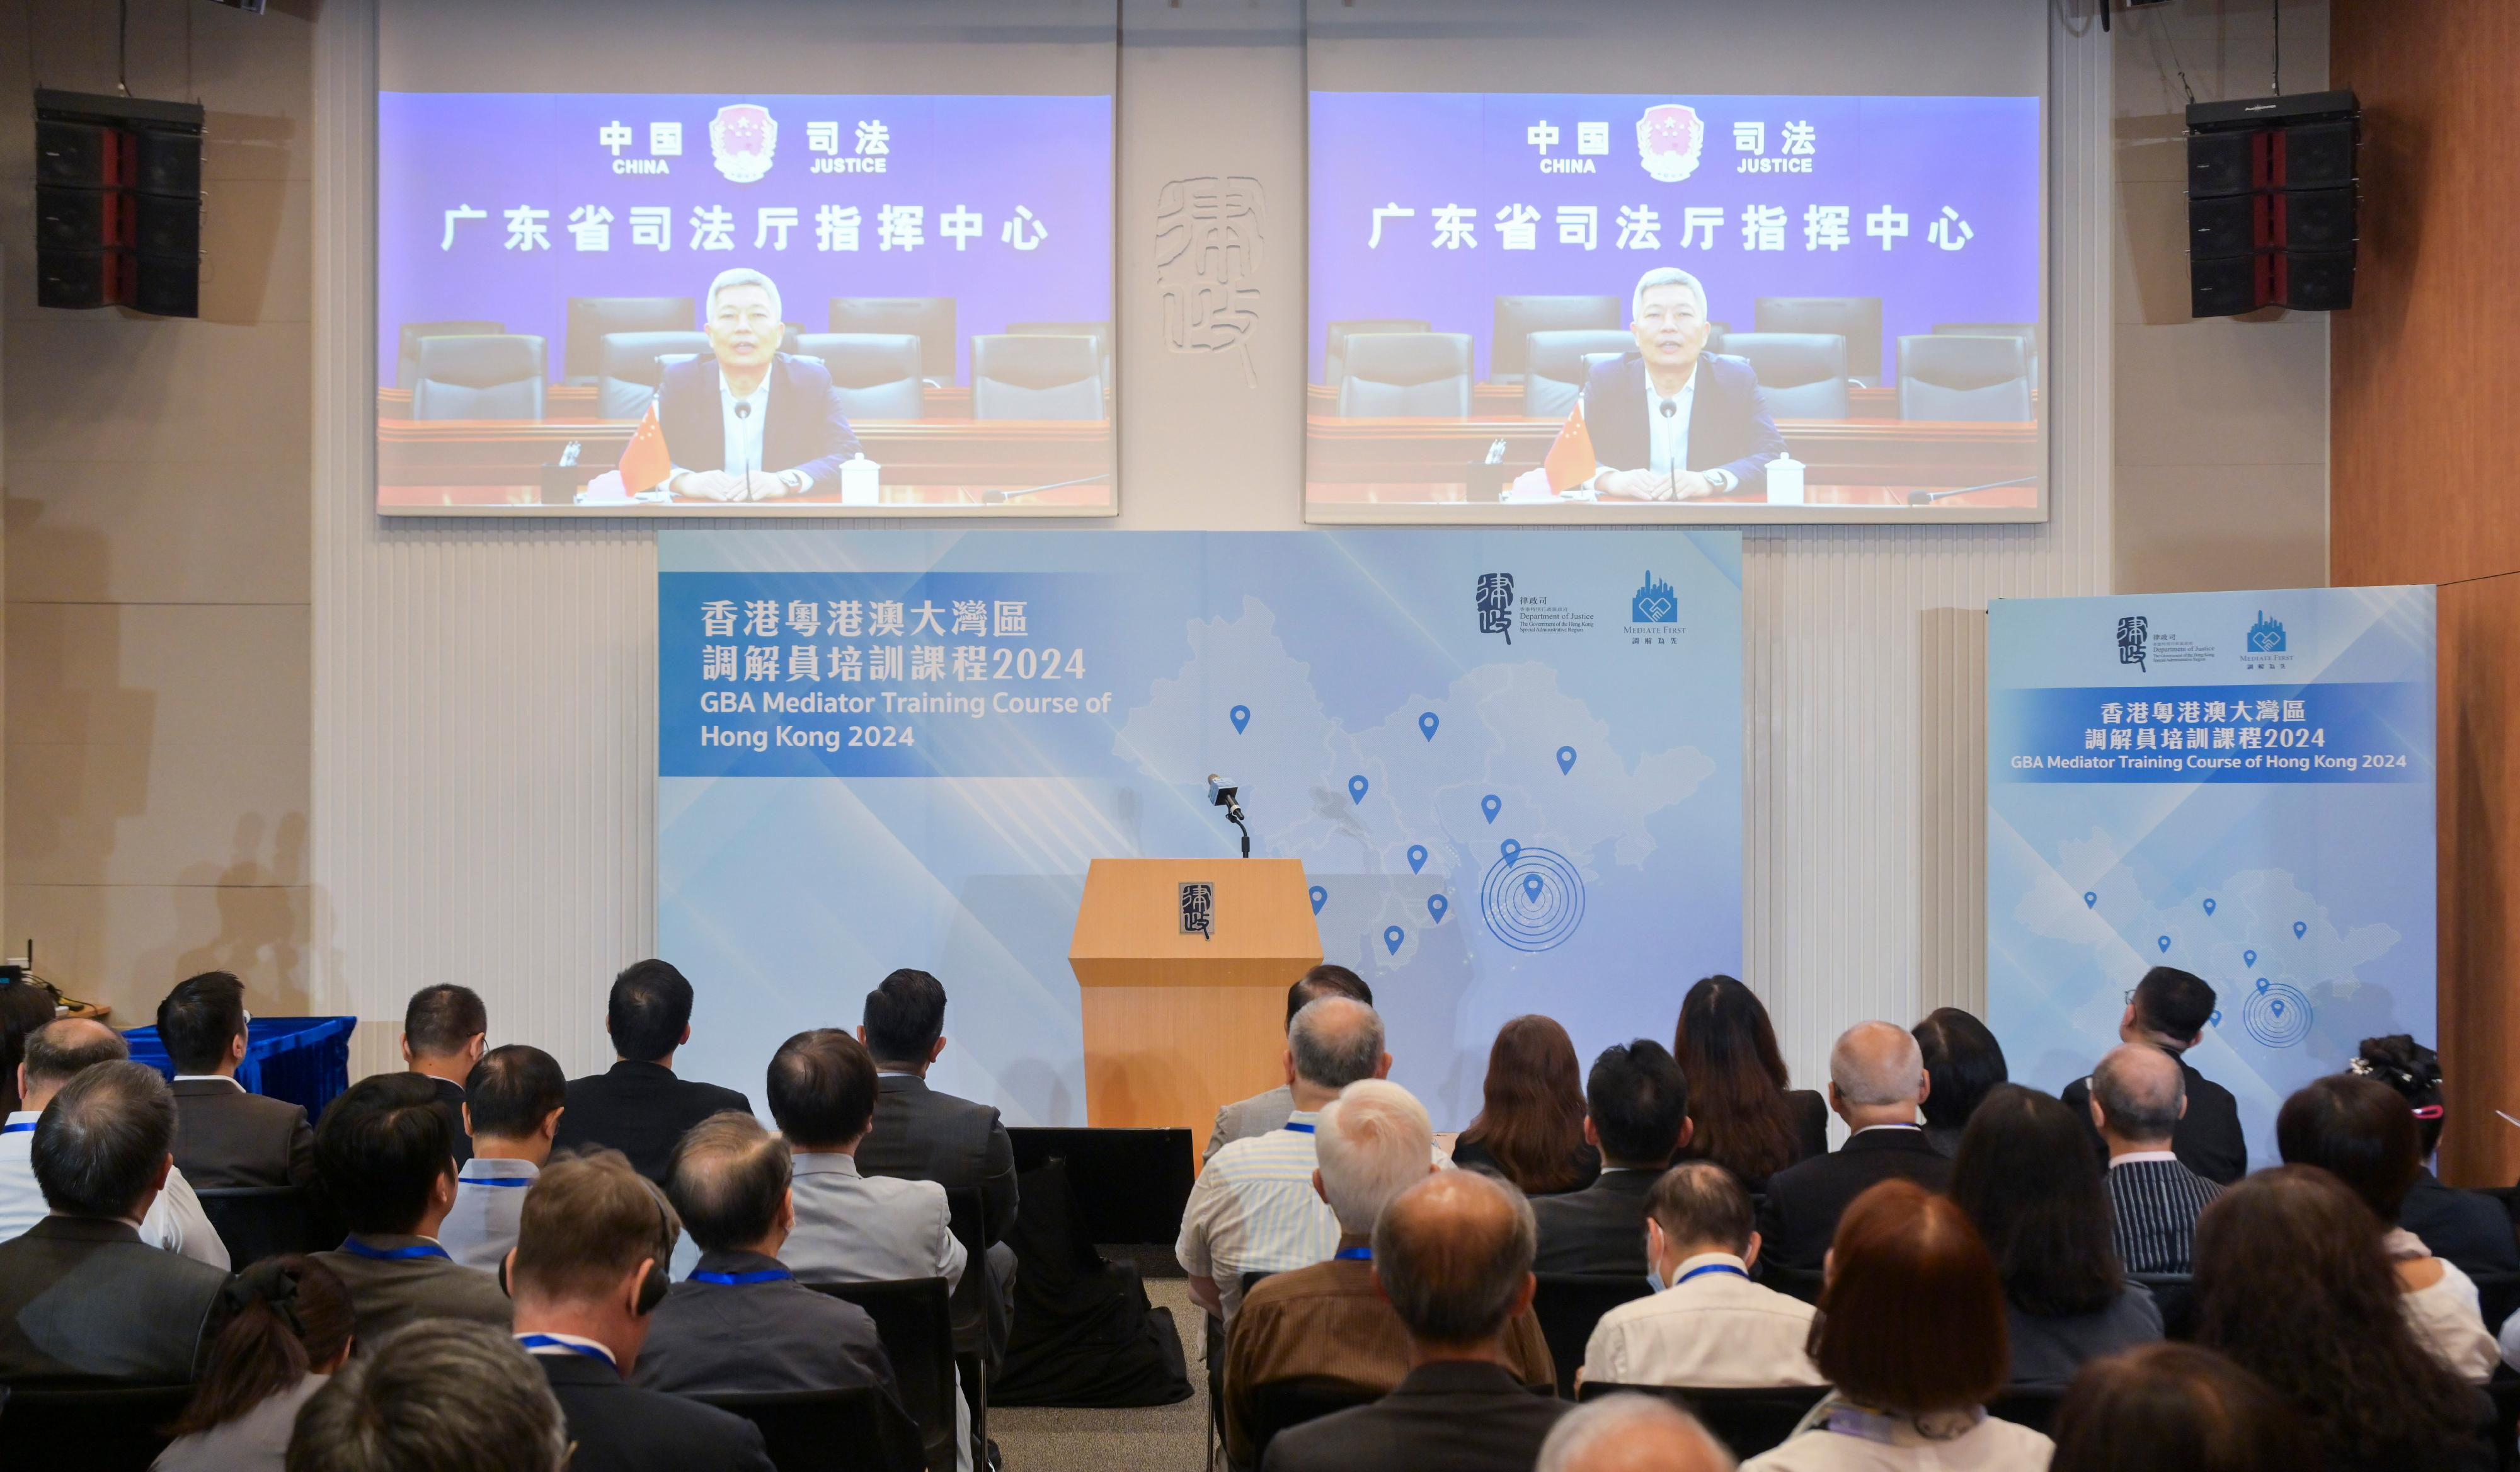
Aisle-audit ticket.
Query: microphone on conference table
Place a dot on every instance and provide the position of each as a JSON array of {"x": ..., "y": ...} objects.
[
  {"x": 1670, "y": 409},
  {"x": 1225, "y": 795},
  {"x": 1929, "y": 498}
]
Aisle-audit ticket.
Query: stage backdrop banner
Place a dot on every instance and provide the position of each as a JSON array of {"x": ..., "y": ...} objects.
[
  {"x": 1510, "y": 763},
  {"x": 2236, "y": 784}
]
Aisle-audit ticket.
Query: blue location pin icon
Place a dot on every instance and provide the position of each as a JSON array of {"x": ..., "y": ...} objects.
[
  {"x": 2248, "y": 958},
  {"x": 1426, "y": 724},
  {"x": 1565, "y": 759},
  {"x": 1531, "y": 887},
  {"x": 1417, "y": 857},
  {"x": 1240, "y": 715},
  {"x": 2216, "y": 1017},
  {"x": 2209, "y": 906},
  {"x": 1436, "y": 904},
  {"x": 2090, "y": 898},
  {"x": 1321, "y": 896},
  {"x": 1392, "y": 936},
  {"x": 2300, "y": 928},
  {"x": 2165, "y": 943},
  {"x": 1491, "y": 804},
  {"x": 1508, "y": 849},
  {"x": 1356, "y": 787}
]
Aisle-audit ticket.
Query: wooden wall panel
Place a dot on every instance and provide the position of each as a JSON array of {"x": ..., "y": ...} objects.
[{"x": 2480, "y": 876}]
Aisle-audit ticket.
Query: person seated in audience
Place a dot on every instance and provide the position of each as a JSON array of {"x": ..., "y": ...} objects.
[
  {"x": 445, "y": 1396},
  {"x": 2468, "y": 1229},
  {"x": 445, "y": 1030},
  {"x": 512, "y": 1101},
  {"x": 2175, "y": 1407},
  {"x": 1910, "y": 1334},
  {"x": 1530, "y": 1125},
  {"x": 290, "y": 1331},
  {"x": 25, "y": 1009},
  {"x": 2169, "y": 1010},
  {"x": 1706, "y": 1323},
  {"x": 2293, "y": 1285},
  {"x": 1636, "y": 1114},
  {"x": 389, "y": 1168},
  {"x": 2359, "y": 1130},
  {"x": 50, "y": 1057},
  {"x": 1876, "y": 1080},
  {"x": 2043, "y": 1207},
  {"x": 1745, "y": 1114},
  {"x": 1452, "y": 1255},
  {"x": 638, "y": 1106},
  {"x": 1631, "y": 1434},
  {"x": 2136, "y": 1095},
  {"x": 589, "y": 1274},
  {"x": 80, "y": 1295},
  {"x": 225, "y": 1136},
  {"x": 1328, "y": 1323},
  {"x": 1254, "y": 1208},
  {"x": 1963, "y": 1063},
  {"x": 1269, "y": 1109}
]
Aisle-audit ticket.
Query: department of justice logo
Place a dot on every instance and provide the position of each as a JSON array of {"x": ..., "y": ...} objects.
[
  {"x": 2132, "y": 637},
  {"x": 743, "y": 138},
  {"x": 1670, "y": 137},
  {"x": 1199, "y": 909},
  {"x": 1496, "y": 603},
  {"x": 1655, "y": 603}
]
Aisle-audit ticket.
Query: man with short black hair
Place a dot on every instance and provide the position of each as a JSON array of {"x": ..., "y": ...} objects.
[
  {"x": 1268, "y": 1110},
  {"x": 389, "y": 1168},
  {"x": 2137, "y": 1099},
  {"x": 638, "y": 1107},
  {"x": 445, "y": 1030},
  {"x": 80, "y": 1295},
  {"x": 1453, "y": 1257},
  {"x": 1706, "y": 1323},
  {"x": 1636, "y": 1114},
  {"x": 224, "y": 1135},
  {"x": 444, "y": 1397},
  {"x": 1877, "y": 1084},
  {"x": 512, "y": 1100},
  {"x": 2170, "y": 1009},
  {"x": 56, "y": 1053}
]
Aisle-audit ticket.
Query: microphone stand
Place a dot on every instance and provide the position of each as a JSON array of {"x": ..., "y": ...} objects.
[{"x": 1671, "y": 478}]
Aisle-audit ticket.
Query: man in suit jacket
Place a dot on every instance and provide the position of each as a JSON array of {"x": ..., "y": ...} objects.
[
  {"x": 388, "y": 1166},
  {"x": 2170, "y": 1009},
  {"x": 589, "y": 1273},
  {"x": 1672, "y": 422},
  {"x": 1453, "y": 1253},
  {"x": 1876, "y": 1081},
  {"x": 80, "y": 1295},
  {"x": 749, "y": 423},
  {"x": 638, "y": 1107},
  {"x": 1269, "y": 1109},
  {"x": 56, "y": 1053},
  {"x": 445, "y": 1031},
  {"x": 2137, "y": 1098},
  {"x": 225, "y": 1136},
  {"x": 1636, "y": 1114},
  {"x": 387, "y": 1412}
]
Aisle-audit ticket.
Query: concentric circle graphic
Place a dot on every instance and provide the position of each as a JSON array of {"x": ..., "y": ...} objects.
[
  {"x": 2276, "y": 1014},
  {"x": 1532, "y": 899}
]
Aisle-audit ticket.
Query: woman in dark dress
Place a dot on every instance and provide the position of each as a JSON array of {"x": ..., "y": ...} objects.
[
  {"x": 1530, "y": 1128},
  {"x": 1749, "y": 1117}
]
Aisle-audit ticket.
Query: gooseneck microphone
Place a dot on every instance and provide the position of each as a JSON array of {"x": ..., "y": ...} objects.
[
  {"x": 1226, "y": 795},
  {"x": 1671, "y": 410}
]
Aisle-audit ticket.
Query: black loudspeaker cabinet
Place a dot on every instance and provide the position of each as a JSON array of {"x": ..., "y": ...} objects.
[
  {"x": 2224, "y": 288},
  {"x": 2272, "y": 205},
  {"x": 2304, "y": 220},
  {"x": 117, "y": 204},
  {"x": 2314, "y": 281}
]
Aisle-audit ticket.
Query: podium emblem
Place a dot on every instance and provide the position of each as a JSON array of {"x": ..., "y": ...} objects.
[{"x": 1199, "y": 909}]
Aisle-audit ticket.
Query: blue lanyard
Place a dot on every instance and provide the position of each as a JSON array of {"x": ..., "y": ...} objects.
[
  {"x": 549, "y": 1342},
  {"x": 1353, "y": 1254},
  {"x": 494, "y": 1180},
  {"x": 358, "y": 1249},
  {"x": 743, "y": 1280},
  {"x": 17, "y": 1128},
  {"x": 1296, "y": 1128},
  {"x": 1699, "y": 1273}
]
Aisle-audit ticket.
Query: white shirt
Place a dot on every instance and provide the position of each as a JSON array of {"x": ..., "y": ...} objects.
[
  {"x": 2132, "y": 1156},
  {"x": 1993, "y": 1444},
  {"x": 1667, "y": 434},
  {"x": 566, "y": 1343},
  {"x": 175, "y": 1220},
  {"x": 227, "y": 1078},
  {"x": 1254, "y": 1210},
  {"x": 489, "y": 1202},
  {"x": 1707, "y": 1329},
  {"x": 747, "y": 431},
  {"x": 2447, "y": 1317}
]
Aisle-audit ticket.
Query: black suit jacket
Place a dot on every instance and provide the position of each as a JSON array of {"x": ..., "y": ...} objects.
[
  {"x": 2208, "y": 1140},
  {"x": 776, "y": 1335},
  {"x": 807, "y": 429},
  {"x": 450, "y": 1103},
  {"x": 1600, "y": 1228},
  {"x": 1805, "y": 1201},
  {"x": 225, "y": 1136},
  {"x": 921, "y": 1134},
  {"x": 640, "y": 1109},
  {"x": 1450, "y": 1416},
  {"x": 1730, "y": 427},
  {"x": 2472, "y": 1232},
  {"x": 620, "y": 1428},
  {"x": 81, "y": 1296}
]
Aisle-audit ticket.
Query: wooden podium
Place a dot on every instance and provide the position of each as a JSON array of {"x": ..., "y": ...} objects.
[{"x": 1177, "y": 1024}]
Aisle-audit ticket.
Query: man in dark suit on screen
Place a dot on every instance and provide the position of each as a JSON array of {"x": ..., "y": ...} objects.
[
  {"x": 749, "y": 423},
  {"x": 1672, "y": 422},
  {"x": 1876, "y": 1082}
]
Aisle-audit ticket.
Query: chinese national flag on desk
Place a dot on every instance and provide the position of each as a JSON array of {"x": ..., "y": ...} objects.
[
  {"x": 647, "y": 463},
  {"x": 1570, "y": 461}
]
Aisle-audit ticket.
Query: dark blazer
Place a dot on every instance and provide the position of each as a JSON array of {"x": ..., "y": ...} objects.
[
  {"x": 807, "y": 429},
  {"x": 1600, "y": 1228},
  {"x": 1450, "y": 1416},
  {"x": 921, "y": 1134},
  {"x": 640, "y": 1109},
  {"x": 1730, "y": 427},
  {"x": 2471, "y": 1230},
  {"x": 620, "y": 1428},
  {"x": 1471, "y": 1155},
  {"x": 387, "y": 1294},
  {"x": 778, "y": 1335},
  {"x": 450, "y": 1103},
  {"x": 225, "y": 1136},
  {"x": 80, "y": 1296},
  {"x": 2208, "y": 1140},
  {"x": 1805, "y": 1201}
]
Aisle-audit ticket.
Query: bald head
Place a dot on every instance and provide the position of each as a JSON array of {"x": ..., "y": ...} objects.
[
  {"x": 1453, "y": 1253},
  {"x": 1334, "y": 1042},
  {"x": 1630, "y": 1433},
  {"x": 1877, "y": 1076},
  {"x": 2137, "y": 1093},
  {"x": 58, "y": 1051},
  {"x": 729, "y": 1183}
]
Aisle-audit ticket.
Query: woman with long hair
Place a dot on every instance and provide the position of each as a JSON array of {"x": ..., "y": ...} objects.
[
  {"x": 1749, "y": 1118},
  {"x": 2293, "y": 1285},
  {"x": 1530, "y": 1126},
  {"x": 1963, "y": 1064},
  {"x": 2174, "y": 1407},
  {"x": 2026, "y": 1177},
  {"x": 289, "y": 1331}
]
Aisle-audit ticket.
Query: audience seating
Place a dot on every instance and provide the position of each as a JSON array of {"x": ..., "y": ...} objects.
[
  {"x": 266, "y": 1221},
  {"x": 1335, "y": 360},
  {"x": 2027, "y": 331},
  {"x": 1131, "y": 1184},
  {"x": 592, "y": 319},
  {"x": 854, "y": 1430},
  {"x": 2498, "y": 1294},
  {"x": 2175, "y": 1294},
  {"x": 2505, "y": 1391},
  {"x": 1802, "y": 374},
  {"x": 1569, "y": 1305},
  {"x": 1100, "y": 332},
  {"x": 1556, "y": 363},
  {"x": 876, "y": 373},
  {"x": 407, "y": 355},
  {"x": 929, "y": 319},
  {"x": 967, "y": 1219},
  {"x": 92, "y": 1429},
  {"x": 482, "y": 378},
  {"x": 1411, "y": 375},
  {"x": 1794, "y": 1282},
  {"x": 1517, "y": 317},
  {"x": 1962, "y": 378},
  {"x": 1856, "y": 319},
  {"x": 633, "y": 364},
  {"x": 1280, "y": 1404},
  {"x": 916, "y": 1328},
  {"x": 1036, "y": 378},
  {"x": 1749, "y": 1421},
  {"x": 2026, "y": 1405}
]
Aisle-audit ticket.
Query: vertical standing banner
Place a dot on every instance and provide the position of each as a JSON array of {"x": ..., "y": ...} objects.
[
  {"x": 1510, "y": 763},
  {"x": 2236, "y": 784}
]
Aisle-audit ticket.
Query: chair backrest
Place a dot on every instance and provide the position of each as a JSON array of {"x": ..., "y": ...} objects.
[
  {"x": 1518, "y": 317},
  {"x": 1407, "y": 375},
  {"x": 1557, "y": 361},
  {"x": 1277, "y": 1404},
  {"x": 1801, "y": 374},
  {"x": 1130, "y": 1184},
  {"x": 2027, "y": 331},
  {"x": 1794, "y": 1282},
  {"x": 2033, "y": 1406},
  {"x": 1856, "y": 319},
  {"x": 256, "y": 1223},
  {"x": 481, "y": 378},
  {"x": 916, "y": 1328},
  {"x": 1035, "y": 378},
  {"x": 877, "y": 373},
  {"x": 855, "y": 1430},
  {"x": 1334, "y": 358},
  {"x": 592, "y": 319},
  {"x": 1750, "y": 1421},
  {"x": 407, "y": 353},
  {"x": 633, "y": 364},
  {"x": 1100, "y": 332},
  {"x": 1569, "y": 1304},
  {"x": 99, "y": 1429},
  {"x": 1962, "y": 378},
  {"x": 2174, "y": 1295},
  {"x": 2498, "y": 1294},
  {"x": 929, "y": 319}
]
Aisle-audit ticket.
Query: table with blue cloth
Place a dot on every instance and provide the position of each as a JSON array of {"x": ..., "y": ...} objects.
[{"x": 304, "y": 1060}]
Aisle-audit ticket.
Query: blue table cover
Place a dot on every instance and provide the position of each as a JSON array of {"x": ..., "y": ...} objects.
[{"x": 304, "y": 1060}]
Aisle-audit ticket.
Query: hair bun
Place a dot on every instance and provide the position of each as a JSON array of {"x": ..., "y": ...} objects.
[{"x": 273, "y": 1284}]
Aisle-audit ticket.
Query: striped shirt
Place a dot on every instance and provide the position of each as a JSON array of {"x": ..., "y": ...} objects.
[
  {"x": 2158, "y": 1201},
  {"x": 1254, "y": 1210}
]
